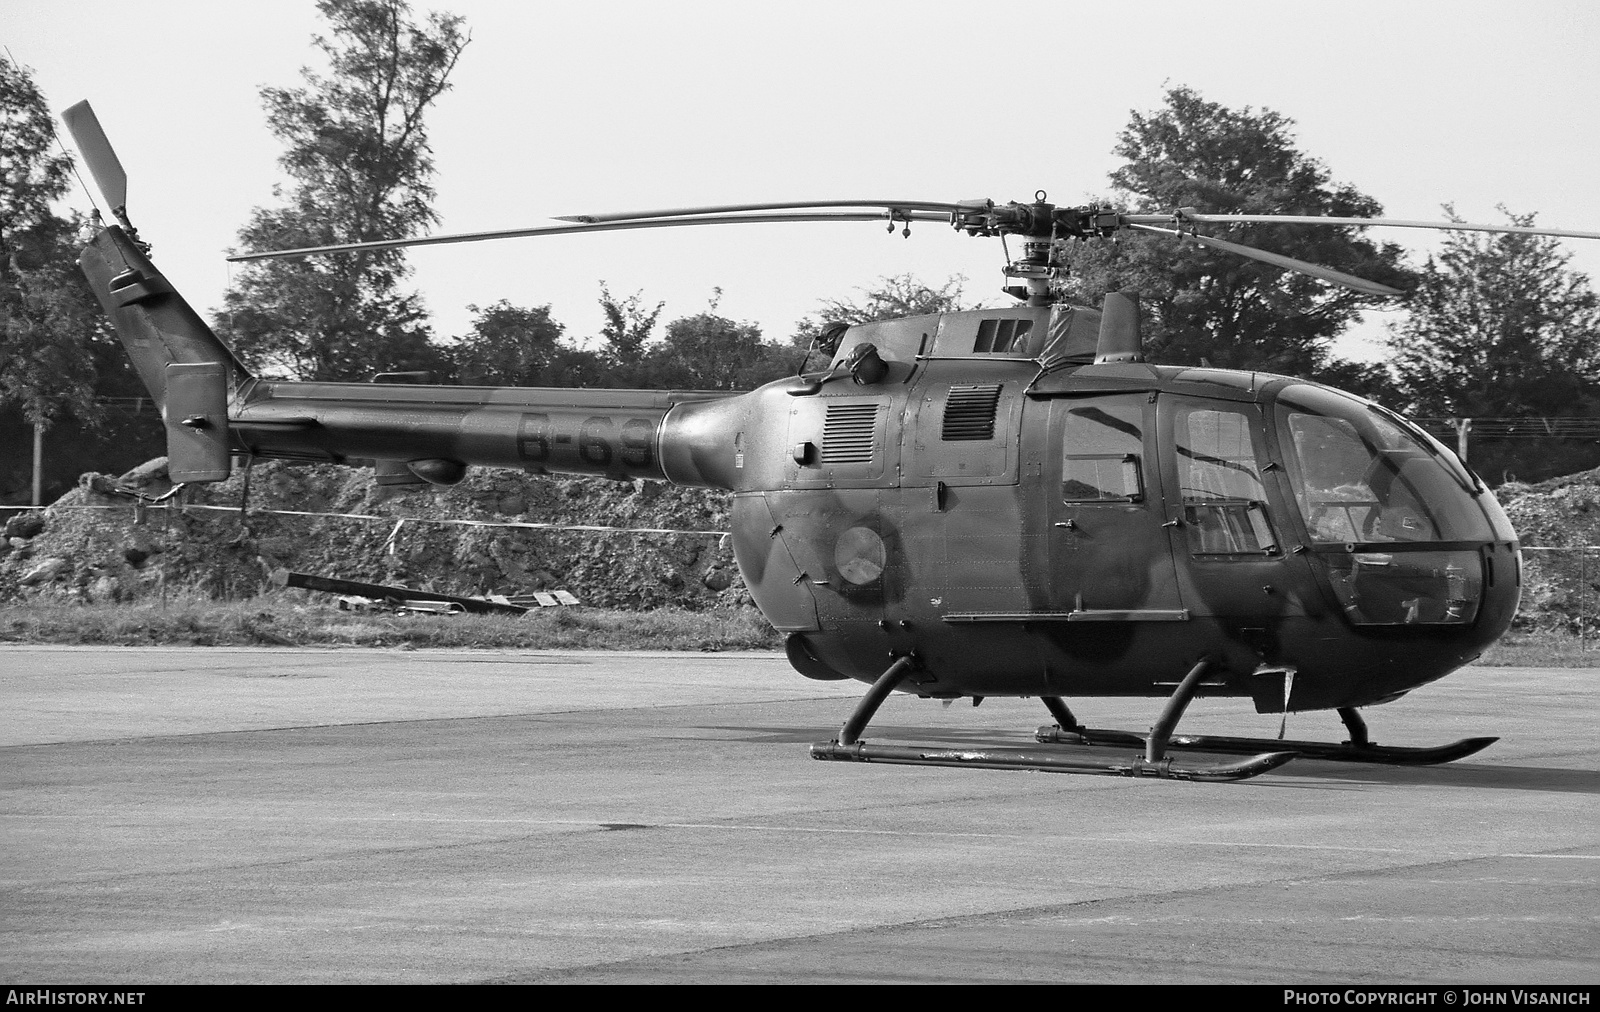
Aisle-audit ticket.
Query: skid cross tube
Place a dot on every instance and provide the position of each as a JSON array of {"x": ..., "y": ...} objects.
[
  {"x": 850, "y": 733},
  {"x": 1155, "y": 746},
  {"x": 1356, "y": 726},
  {"x": 1062, "y": 713}
]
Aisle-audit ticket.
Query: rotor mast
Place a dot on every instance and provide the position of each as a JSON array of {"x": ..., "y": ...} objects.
[{"x": 1044, "y": 230}]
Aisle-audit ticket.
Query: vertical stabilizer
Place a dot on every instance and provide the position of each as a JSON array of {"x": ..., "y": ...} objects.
[{"x": 187, "y": 369}]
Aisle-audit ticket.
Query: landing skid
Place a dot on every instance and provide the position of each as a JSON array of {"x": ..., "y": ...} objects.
[
  {"x": 1154, "y": 763},
  {"x": 1045, "y": 761},
  {"x": 1359, "y": 749}
]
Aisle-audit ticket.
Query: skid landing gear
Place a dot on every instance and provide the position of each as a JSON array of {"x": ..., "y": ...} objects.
[
  {"x": 1359, "y": 749},
  {"x": 1154, "y": 763}
]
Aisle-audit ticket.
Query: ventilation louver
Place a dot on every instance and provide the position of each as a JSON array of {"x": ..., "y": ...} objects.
[
  {"x": 969, "y": 412},
  {"x": 847, "y": 434}
]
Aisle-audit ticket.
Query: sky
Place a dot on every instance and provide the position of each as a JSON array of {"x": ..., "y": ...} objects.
[{"x": 562, "y": 108}]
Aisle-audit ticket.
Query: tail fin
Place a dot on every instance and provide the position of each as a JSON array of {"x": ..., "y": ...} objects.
[{"x": 187, "y": 369}]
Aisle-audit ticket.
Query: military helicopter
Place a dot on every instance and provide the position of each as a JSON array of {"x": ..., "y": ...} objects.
[{"x": 1006, "y": 502}]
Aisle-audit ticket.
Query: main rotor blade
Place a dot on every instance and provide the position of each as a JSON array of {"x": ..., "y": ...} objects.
[
  {"x": 1279, "y": 260},
  {"x": 606, "y": 226},
  {"x": 97, "y": 152},
  {"x": 888, "y": 205},
  {"x": 1293, "y": 219}
]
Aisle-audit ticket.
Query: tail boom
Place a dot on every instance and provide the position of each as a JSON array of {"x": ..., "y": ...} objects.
[
  {"x": 214, "y": 408},
  {"x": 611, "y": 433}
]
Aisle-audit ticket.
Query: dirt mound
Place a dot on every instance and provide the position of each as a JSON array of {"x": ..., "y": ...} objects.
[
  {"x": 99, "y": 545},
  {"x": 1555, "y": 519},
  {"x": 96, "y": 545}
]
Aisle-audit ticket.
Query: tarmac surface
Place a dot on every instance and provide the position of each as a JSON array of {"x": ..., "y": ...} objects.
[{"x": 215, "y": 815}]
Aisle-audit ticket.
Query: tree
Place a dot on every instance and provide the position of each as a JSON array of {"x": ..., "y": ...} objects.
[
  {"x": 358, "y": 157},
  {"x": 628, "y": 325},
  {"x": 892, "y": 298},
  {"x": 1500, "y": 326},
  {"x": 510, "y": 346},
  {"x": 32, "y": 174},
  {"x": 1208, "y": 305},
  {"x": 711, "y": 352},
  {"x": 51, "y": 330}
]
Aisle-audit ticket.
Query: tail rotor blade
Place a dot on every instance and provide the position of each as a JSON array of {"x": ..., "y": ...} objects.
[{"x": 97, "y": 152}]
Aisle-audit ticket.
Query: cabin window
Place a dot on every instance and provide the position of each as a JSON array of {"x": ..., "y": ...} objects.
[
  {"x": 1224, "y": 501},
  {"x": 1100, "y": 449},
  {"x": 995, "y": 336}
]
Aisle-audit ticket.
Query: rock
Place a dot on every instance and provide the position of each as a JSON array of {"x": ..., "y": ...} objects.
[
  {"x": 718, "y": 580},
  {"x": 103, "y": 484},
  {"x": 25, "y": 525},
  {"x": 148, "y": 473},
  {"x": 105, "y": 588},
  {"x": 511, "y": 506},
  {"x": 280, "y": 547},
  {"x": 44, "y": 571},
  {"x": 647, "y": 491}
]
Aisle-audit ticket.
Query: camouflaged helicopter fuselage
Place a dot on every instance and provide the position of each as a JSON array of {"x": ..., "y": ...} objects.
[{"x": 1026, "y": 522}]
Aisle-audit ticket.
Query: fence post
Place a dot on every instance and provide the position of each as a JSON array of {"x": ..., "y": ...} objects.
[
  {"x": 1462, "y": 426},
  {"x": 38, "y": 464}
]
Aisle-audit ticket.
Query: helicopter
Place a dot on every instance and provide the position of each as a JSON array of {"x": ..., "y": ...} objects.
[{"x": 996, "y": 502}]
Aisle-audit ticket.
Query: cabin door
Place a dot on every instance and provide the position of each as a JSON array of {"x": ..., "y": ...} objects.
[
  {"x": 1229, "y": 538},
  {"x": 1110, "y": 554}
]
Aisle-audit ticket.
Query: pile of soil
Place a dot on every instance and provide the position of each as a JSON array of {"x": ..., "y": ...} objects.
[
  {"x": 1559, "y": 588},
  {"x": 96, "y": 544}
]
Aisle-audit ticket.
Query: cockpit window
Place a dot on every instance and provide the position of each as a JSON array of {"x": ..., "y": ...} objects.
[{"x": 1360, "y": 477}]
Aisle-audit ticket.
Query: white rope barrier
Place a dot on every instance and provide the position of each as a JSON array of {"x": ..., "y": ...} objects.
[{"x": 518, "y": 524}]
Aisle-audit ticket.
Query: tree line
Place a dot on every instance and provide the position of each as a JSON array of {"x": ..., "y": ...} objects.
[{"x": 1495, "y": 325}]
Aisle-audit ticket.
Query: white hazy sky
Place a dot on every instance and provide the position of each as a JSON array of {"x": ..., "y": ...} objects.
[{"x": 562, "y": 108}]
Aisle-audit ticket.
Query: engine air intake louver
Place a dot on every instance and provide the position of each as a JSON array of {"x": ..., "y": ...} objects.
[
  {"x": 1001, "y": 335},
  {"x": 847, "y": 434},
  {"x": 969, "y": 412}
]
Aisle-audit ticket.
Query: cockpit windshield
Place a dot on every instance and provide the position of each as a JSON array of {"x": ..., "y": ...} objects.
[
  {"x": 1387, "y": 508},
  {"x": 1360, "y": 477}
]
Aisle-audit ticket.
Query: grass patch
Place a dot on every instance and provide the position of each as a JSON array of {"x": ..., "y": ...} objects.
[
  {"x": 294, "y": 619},
  {"x": 1543, "y": 649},
  {"x": 279, "y": 621}
]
